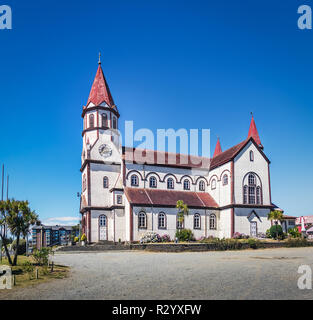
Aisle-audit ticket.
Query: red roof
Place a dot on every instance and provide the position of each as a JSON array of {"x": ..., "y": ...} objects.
[
  {"x": 156, "y": 197},
  {"x": 100, "y": 91},
  {"x": 227, "y": 155},
  {"x": 253, "y": 132},
  {"x": 289, "y": 217},
  {"x": 154, "y": 157},
  {"x": 218, "y": 148},
  {"x": 144, "y": 156}
]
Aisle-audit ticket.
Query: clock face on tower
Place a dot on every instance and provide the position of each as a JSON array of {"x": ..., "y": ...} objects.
[{"x": 105, "y": 151}]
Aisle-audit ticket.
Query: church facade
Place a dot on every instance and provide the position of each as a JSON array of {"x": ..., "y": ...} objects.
[{"x": 122, "y": 199}]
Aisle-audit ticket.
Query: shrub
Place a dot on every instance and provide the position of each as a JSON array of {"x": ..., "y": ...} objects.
[
  {"x": 21, "y": 246},
  {"x": 42, "y": 256},
  {"x": 297, "y": 242},
  {"x": 150, "y": 237},
  {"x": 268, "y": 234},
  {"x": 261, "y": 235},
  {"x": 276, "y": 230},
  {"x": 238, "y": 235},
  {"x": 184, "y": 235},
  {"x": 29, "y": 268},
  {"x": 76, "y": 239},
  {"x": 254, "y": 243},
  {"x": 165, "y": 238},
  {"x": 83, "y": 237},
  {"x": 294, "y": 232}
]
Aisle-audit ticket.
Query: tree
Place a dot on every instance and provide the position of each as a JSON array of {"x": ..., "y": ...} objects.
[
  {"x": 275, "y": 216},
  {"x": 182, "y": 211},
  {"x": 19, "y": 218}
]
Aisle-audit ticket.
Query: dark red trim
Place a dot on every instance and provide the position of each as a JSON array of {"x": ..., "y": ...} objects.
[
  {"x": 89, "y": 226},
  {"x": 88, "y": 185},
  {"x": 269, "y": 183},
  {"x": 100, "y": 108},
  {"x": 232, "y": 222},
  {"x": 131, "y": 223},
  {"x": 94, "y": 128},
  {"x": 88, "y": 161}
]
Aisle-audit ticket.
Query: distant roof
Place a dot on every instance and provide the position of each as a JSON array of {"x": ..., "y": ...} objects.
[
  {"x": 307, "y": 219},
  {"x": 288, "y": 217},
  {"x": 155, "y": 197},
  {"x": 57, "y": 227}
]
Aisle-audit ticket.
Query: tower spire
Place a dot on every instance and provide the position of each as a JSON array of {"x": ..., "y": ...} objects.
[
  {"x": 100, "y": 91},
  {"x": 218, "y": 149},
  {"x": 253, "y": 132}
]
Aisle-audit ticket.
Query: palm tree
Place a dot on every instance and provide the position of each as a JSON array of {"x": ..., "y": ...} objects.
[
  {"x": 19, "y": 218},
  {"x": 276, "y": 216},
  {"x": 182, "y": 210}
]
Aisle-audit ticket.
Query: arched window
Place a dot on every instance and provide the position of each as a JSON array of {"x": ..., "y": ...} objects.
[
  {"x": 186, "y": 184},
  {"x": 170, "y": 183},
  {"x": 201, "y": 185},
  {"x": 153, "y": 182},
  {"x": 245, "y": 194},
  {"x": 179, "y": 224},
  {"x": 251, "y": 179},
  {"x": 251, "y": 156},
  {"x": 114, "y": 123},
  {"x": 258, "y": 195},
  {"x": 225, "y": 179},
  {"x": 161, "y": 220},
  {"x": 252, "y": 190},
  {"x": 134, "y": 180},
  {"x": 197, "y": 221},
  {"x": 213, "y": 184},
  {"x": 105, "y": 182},
  {"x": 212, "y": 221},
  {"x": 91, "y": 121},
  {"x": 104, "y": 121},
  {"x": 142, "y": 220}
]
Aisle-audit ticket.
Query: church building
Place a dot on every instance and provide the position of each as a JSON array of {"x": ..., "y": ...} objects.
[{"x": 122, "y": 199}]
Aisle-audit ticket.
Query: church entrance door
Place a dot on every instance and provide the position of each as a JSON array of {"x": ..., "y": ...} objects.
[
  {"x": 253, "y": 229},
  {"x": 102, "y": 228}
]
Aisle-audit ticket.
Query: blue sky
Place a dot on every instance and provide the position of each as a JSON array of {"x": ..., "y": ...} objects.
[{"x": 169, "y": 64}]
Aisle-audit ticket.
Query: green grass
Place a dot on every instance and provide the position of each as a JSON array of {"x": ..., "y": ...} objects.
[{"x": 24, "y": 278}]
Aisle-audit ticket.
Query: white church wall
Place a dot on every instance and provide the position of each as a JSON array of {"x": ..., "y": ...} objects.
[
  {"x": 101, "y": 196},
  {"x": 242, "y": 222},
  {"x": 222, "y": 193},
  {"x": 95, "y": 224},
  {"x": 120, "y": 225},
  {"x": 162, "y": 174},
  {"x": 243, "y": 165},
  {"x": 171, "y": 221},
  {"x": 224, "y": 227}
]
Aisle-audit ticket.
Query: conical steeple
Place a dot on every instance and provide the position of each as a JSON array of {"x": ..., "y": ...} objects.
[
  {"x": 253, "y": 132},
  {"x": 100, "y": 91},
  {"x": 218, "y": 148}
]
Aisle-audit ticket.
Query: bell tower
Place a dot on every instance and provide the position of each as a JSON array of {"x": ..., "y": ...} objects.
[{"x": 100, "y": 156}]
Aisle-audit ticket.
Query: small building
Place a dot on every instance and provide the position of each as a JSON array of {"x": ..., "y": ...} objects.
[
  {"x": 288, "y": 222},
  {"x": 46, "y": 236},
  {"x": 308, "y": 223}
]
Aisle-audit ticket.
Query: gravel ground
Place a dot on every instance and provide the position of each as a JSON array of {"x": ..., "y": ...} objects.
[{"x": 249, "y": 274}]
